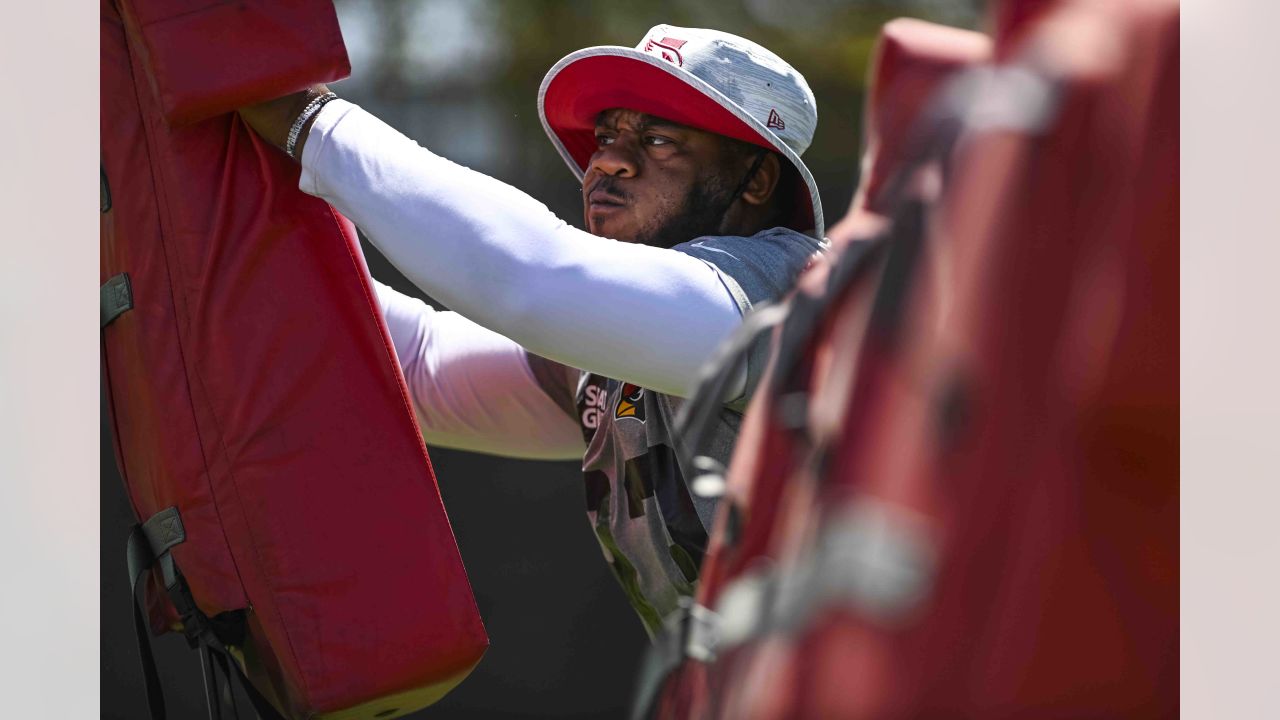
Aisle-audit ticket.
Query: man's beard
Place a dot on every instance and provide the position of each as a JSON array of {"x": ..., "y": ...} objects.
[{"x": 702, "y": 214}]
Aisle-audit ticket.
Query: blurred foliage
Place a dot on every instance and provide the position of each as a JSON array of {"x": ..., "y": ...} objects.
[{"x": 462, "y": 76}]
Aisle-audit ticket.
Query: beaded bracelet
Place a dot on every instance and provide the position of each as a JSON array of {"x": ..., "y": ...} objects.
[{"x": 308, "y": 112}]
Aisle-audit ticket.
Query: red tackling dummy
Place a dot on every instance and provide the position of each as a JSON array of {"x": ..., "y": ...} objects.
[
  {"x": 252, "y": 385},
  {"x": 960, "y": 495}
]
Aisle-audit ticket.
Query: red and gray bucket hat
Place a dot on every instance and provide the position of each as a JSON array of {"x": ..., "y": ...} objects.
[{"x": 705, "y": 79}]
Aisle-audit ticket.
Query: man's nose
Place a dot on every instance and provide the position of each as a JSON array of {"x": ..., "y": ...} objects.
[{"x": 616, "y": 159}]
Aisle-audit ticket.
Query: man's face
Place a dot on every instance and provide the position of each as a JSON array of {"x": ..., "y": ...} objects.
[{"x": 656, "y": 182}]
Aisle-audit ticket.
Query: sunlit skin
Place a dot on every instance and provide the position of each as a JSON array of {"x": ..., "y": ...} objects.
[{"x": 657, "y": 182}]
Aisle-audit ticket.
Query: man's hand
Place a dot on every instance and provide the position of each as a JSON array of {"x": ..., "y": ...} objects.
[{"x": 273, "y": 118}]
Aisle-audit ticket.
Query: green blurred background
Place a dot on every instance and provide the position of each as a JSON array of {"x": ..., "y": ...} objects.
[{"x": 461, "y": 77}]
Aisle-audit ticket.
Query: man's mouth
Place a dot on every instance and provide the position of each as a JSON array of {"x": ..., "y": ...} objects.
[{"x": 601, "y": 200}]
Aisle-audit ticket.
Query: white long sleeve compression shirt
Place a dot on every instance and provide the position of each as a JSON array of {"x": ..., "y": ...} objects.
[
  {"x": 646, "y": 315},
  {"x": 474, "y": 389}
]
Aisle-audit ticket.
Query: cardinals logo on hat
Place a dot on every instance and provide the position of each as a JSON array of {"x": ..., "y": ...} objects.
[
  {"x": 631, "y": 403},
  {"x": 668, "y": 49}
]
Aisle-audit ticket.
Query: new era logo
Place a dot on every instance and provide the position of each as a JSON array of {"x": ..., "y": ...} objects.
[{"x": 775, "y": 120}]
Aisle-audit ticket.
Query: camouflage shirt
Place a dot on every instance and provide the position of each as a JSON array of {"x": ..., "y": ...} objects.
[{"x": 651, "y": 528}]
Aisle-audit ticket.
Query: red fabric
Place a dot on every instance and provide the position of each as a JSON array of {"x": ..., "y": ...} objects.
[
  {"x": 1023, "y": 423},
  {"x": 1054, "y": 503},
  {"x": 254, "y": 386},
  {"x": 585, "y": 88},
  {"x": 913, "y": 59},
  {"x": 195, "y": 60},
  {"x": 1012, "y": 20}
]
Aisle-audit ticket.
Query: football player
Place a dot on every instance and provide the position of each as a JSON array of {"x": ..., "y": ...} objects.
[{"x": 564, "y": 343}]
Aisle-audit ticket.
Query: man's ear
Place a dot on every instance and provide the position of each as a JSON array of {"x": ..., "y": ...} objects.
[{"x": 761, "y": 185}]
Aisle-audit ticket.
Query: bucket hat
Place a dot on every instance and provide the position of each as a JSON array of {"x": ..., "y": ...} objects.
[{"x": 705, "y": 79}]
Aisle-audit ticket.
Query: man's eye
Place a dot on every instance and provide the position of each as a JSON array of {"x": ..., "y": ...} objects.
[
  {"x": 656, "y": 140},
  {"x": 604, "y": 140}
]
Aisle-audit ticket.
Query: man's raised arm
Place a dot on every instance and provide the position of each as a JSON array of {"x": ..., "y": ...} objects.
[
  {"x": 473, "y": 389},
  {"x": 646, "y": 315}
]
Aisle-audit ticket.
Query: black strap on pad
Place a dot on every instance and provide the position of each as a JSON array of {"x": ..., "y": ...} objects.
[{"x": 148, "y": 546}]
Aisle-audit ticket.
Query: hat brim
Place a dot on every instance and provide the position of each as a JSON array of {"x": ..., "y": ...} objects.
[{"x": 586, "y": 82}]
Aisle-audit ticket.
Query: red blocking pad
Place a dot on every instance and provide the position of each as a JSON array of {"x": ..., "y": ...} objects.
[
  {"x": 228, "y": 54},
  {"x": 961, "y": 497},
  {"x": 253, "y": 386}
]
